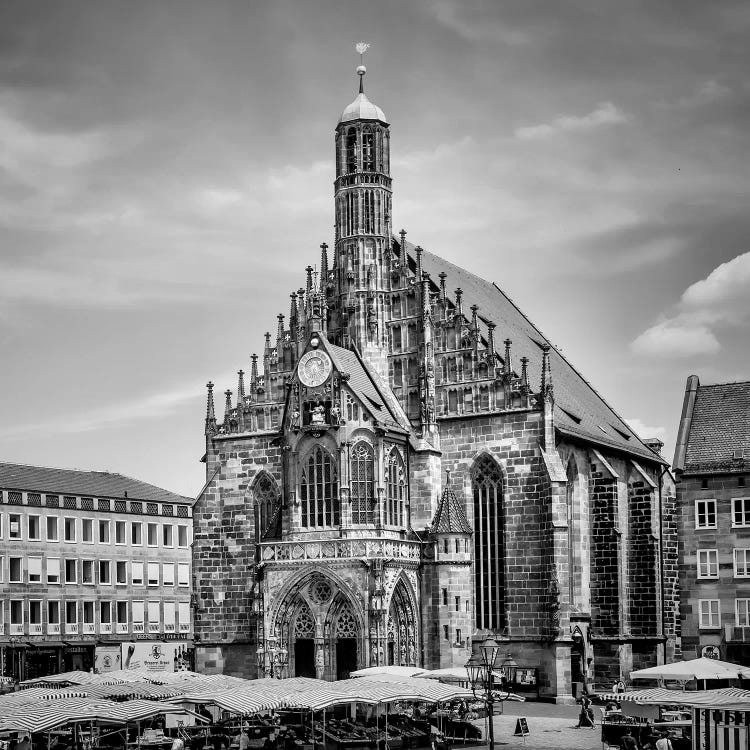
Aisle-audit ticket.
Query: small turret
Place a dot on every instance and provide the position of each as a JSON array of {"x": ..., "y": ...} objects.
[
  {"x": 323, "y": 267},
  {"x": 254, "y": 376},
  {"x": 210, "y": 413},
  {"x": 241, "y": 400},
  {"x": 227, "y": 406}
]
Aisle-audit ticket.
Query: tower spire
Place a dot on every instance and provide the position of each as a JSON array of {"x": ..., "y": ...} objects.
[
  {"x": 361, "y": 48},
  {"x": 323, "y": 267},
  {"x": 210, "y": 412}
]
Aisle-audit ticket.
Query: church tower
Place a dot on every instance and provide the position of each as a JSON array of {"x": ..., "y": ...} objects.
[{"x": 360, "y": 277}]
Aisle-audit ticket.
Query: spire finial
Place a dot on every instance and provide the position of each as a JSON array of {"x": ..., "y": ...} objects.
[
  {"x": 447, "y": 477},
  {"x": 210, "y": 414},
  {"x": 361, "y": 48},
  {"x": 240, "y": 388}
]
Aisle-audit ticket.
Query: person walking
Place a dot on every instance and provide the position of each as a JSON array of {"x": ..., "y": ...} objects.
[
  {"x": 664, "y": 743},
  {"x": 627, "y": 741}
]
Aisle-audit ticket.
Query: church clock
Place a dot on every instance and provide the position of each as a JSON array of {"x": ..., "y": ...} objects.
[{"x": 314, "y": 368}]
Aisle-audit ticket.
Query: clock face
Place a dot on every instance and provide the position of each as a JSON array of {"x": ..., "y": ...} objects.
[{"x": 314, "y": 368}]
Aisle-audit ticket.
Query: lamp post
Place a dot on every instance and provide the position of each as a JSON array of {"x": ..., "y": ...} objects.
[
  {"x": 480, "y": 669},
  {"x": 272, "y": 657}
]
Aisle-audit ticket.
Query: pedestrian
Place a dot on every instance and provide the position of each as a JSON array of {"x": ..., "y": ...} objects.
[
  {"x": 178, "y": 744},
  {"x": 24, "y": 744},
  {"x": 627, "y": 741},
  {"x": 244, "y": 741},
  {"x": 664, "y": 743},
  {"x": 586, "y": 716}
]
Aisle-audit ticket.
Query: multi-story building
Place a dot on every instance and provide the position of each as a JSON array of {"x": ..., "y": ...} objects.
[
  {"x": 712, "y": 470},
  {"x": 392, "y": 486},
  {"x": 88, "y": 559}
]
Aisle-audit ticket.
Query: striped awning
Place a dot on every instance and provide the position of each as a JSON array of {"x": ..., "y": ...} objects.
[{"x": 719, "y": 698}]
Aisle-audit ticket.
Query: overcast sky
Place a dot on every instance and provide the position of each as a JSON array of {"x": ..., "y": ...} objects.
[{"x": 166, "y": 174}]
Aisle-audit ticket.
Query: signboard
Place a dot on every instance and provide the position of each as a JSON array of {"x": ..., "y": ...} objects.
[
  {"x": 522, "y": 727},
  {"x": 106, "y": 659},
  {"x": 154, "y": 656},
  {"x": 711, "y": 652}
]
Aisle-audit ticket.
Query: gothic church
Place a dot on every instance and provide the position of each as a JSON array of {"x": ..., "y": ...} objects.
[{"x": 412, "y": 467}]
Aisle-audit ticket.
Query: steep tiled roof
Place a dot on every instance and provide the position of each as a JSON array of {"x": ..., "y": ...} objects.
[
  {"x": 580, "y": 411},
  {"x": 719, "y": 435},
  {"x": 377, "y": 401},
  {"x": 450, "y": 516},
  {"x": 78, "y": 482}
]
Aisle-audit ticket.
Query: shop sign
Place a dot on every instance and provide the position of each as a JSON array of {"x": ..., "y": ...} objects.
[
  {"x": 711, "y": 652},
  {"x": 107, "y": 659},
  {"x": 153, "y": 656}
]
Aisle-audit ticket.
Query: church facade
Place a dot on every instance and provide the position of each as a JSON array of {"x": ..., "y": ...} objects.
[{"x": 411, "y": 467}]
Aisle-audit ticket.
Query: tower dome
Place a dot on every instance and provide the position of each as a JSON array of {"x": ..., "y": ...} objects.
[{"x": 362, "y": 108}]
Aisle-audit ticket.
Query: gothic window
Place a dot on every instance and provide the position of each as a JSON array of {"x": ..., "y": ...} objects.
[
  {"x": 319, "y": 490},
  {"x": 396, "y": 338},
  {"x": 484, "y": 398},
  {"x": 367, "y": 210},
  {"x": 266, "y": 497},
  {"x": 352, "y": 409},
  {"x": 379, "y": 150},
  {"x": 489, "y": 544},
  {"x": 395, "y": 490},
  {"x": 346, "y": 627},
  {"x": 396, "y": 306},
  {"x": 351, "y": 150},
  {"x": 304, "y": 624},
  {"x": 468, "y": 400},
  {"x": 368, "y": 150},
  {"x": 362, "y": 483},
  {"x": 452, "y": 401},
  {"x": 398, "y": 373}
]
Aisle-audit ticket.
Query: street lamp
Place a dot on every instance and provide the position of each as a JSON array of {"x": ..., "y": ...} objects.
[
  {"x": 272, "y": 657},
  {"x": 480, "y": 668}
]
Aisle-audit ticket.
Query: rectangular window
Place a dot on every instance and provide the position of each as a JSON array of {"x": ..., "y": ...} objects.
[
  {"x": 35, "y": 569},
  {"x": 137, "y": 573},
  {"x": 445, "y": 597},
  {"x": 69, "y": 525},
  {"x": 169, "y": 617},
  {"x": 152, "y": 532},
  {"x": 70, "y": 571},
  {"x": 458, "y": 635},
  {"x": 182, "y": 536},
  {"x": 35, "y": 615},
  {"x": 445, "y": 632},
  {"x": 154, "y": 618},
  {"x": 34, "y": 529},
  {"x": 105, "y": 573},
  {"x": 708, "y": 563},
  {"x": 153, "y": 574},
  {"x": 458, "y": 607},
  {"x": 742, "y": 612},
  {"x": 71, "y": 613},
  {"x": 87, "y": 530},
  {"x": 120, "y": 532},
  {"x": 2, "y": 578},
  {"x": 14, "y": 526},
  {"x": 742, "y": 562},
  {"x": 52, "y": 531},
  {"x": 87, "y": 572},
  {"x": 15, "y": 570},
  {"x": 183, "y": 613},
  {"x": 136, "y": 533},
  {"x": 741, "y": 511},
  {"x": 88, "y": 614},
  {"x": 708, "y": 613},
  {"x": 103, "y": 532},
  {"x": 121, "y": 573},
  {"x": 138, "y": 610},
  {"x": 183, "y": 574},
  {"x": 16, "y": 614},
  {"x": 53, "y": 570},
  {"x": 705, "y": 514},
  {"x": 121, "y": 613},
  {"x": 167, "y": 574},
  {"x": 166, "y": 535},
  {"x": 53, "y": 613},
  {"x": 105, "y": 613}
]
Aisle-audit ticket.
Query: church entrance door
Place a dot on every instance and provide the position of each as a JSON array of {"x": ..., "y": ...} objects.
[
  {"x": 346, "y": 657},
  {"x": 304, "y": 657}
]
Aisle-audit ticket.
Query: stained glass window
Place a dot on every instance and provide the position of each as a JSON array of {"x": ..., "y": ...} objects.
[
  {"x": 395, "y": 490},
  {"x": 362, "y": 484},
  {"x": 319, "y": 490},
  {"x": 489, "y": 544},
  {"x": 266, "y": 498}
]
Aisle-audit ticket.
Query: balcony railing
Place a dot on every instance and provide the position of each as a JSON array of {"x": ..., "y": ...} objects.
[
  {"x": 53, "y": 628},
  {"x": 89, "y": 628},
  {"x": 35, "y": 628},
  {"x": 184, "y": 627},
  {"x": 71, "y": 628},
  {"x": 339, "y": 549},
  {"x": 16, "y": 629},
  {"x": 123, "y": 628},
  {"x": 169, "y": 627},
  {"x": 105, "y": 628},
  {"x": 138, "y": 627},
  {"x": 153, "y": 627}
]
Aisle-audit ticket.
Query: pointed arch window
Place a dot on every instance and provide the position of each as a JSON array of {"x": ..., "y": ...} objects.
[
  {"x": 266, "y": 500},
  {"x": 395, "y": 489},
  {"x": 319, "y": 491},
  {"x": 368, "y": 150},
  {"x": 351, "y": 150},
  {"x": 489, "y": 544},
  {"x": 363, "y": 483}
]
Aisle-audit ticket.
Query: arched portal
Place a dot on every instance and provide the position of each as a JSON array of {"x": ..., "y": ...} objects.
[{"x": 401, "y": 644}]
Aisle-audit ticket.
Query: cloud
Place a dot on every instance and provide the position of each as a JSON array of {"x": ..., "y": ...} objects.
[
  {"x": 705, "y": 309},
  {"x": 605, "y": 113},
  {"x": 452, "y": 16},
  {"x": 645, "y": 431},
  {"x": 705, "y": 93}
]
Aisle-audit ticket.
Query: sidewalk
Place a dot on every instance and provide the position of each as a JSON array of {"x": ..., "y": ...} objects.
[{"x": 551, "y": 727}]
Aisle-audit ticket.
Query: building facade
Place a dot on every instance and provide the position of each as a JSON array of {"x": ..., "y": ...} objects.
[
  {"x": 88, "y": 561},
  {"x": 712, "y": 471},
  {"x": 410, "y": 469}
]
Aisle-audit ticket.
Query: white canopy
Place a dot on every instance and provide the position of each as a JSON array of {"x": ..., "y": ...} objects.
[
  {"x": 695, "y": 669},
  {"x": 387, "y": 672}
]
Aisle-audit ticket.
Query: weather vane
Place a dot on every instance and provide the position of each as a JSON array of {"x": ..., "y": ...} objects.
[{"x": 361, "y": 48}]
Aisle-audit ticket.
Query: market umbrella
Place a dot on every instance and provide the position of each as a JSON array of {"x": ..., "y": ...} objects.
[
  {"x": 387, "y": 671},
  {"x": 694, "y": 669}
]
